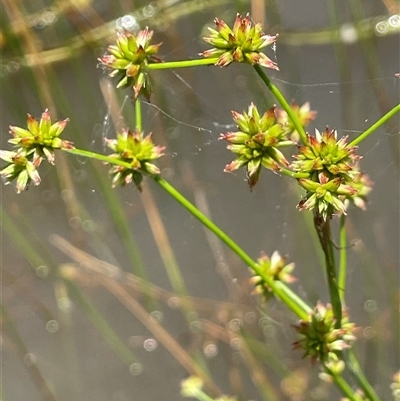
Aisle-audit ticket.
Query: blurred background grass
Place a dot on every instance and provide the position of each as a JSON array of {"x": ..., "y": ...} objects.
[{"x": 115, "y": 295}]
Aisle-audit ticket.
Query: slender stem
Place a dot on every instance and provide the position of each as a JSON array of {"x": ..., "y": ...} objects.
[
  {"x": 324, "y": 234},
  {"x": 342, "y": 257},
  {"x": 293, "y": 174},
  {"x": 297, "y": 305},
  {"x": 355, "y": 368},
  {"x": 342, "y": 384},
  {"x": 182, "y": 64},
  {"x": 98, "y": 156},
  {"x": 138, "y": 115},
  {"x": 283, "y": 292},
  {"x": 375, "y": 126},
  {"x": 281, "y": 99}
]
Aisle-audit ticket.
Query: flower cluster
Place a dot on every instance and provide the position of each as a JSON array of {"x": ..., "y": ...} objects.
[
  {"x": 333, "y": 175},
  {"x": 242, "y": 43},
  {"x": 136, "y": 153},
  {"x": 303, "y": 113},
  {"x": 276, "y": 268},
  {"x": 32, "y": 145},
  {"x": 129, "y": 58},
  {"x": 320, "y": 339},
  {"x": 256, "y": 143}
]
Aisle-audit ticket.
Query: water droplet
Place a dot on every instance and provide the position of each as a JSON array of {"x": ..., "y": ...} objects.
[
  {"x": 235, "y": 324},
  {"x": 370, "y": 305},
  {"x": 210, "y": 349},
  {"x": 195, "y": 326},
  {"x": 148, "y": 11},
  {"x": 49, "y": 17},
  {"x": 64, "y": 304},
  {"x": 52, "y": 326},
  {"x": 394, "y": 21},
  {"x": 382, "y": 27},
  {"x": 369, "y": 332},
  {"x": 235, "y": 343},
  {"x": 269, "y": 331},
  {"x": 75, "y": 223},
  {"x": 157, "y": 316},
  {"x": 264, "y": 321},
  {"x": 89, "y": 226},
  {"x": 136, "y": 369},
  {"x": 150, "y": 344},
  {"x": 129, "y": 23},
  {"x": 118, "y": 24},
  {"x": 42, "y": 271},
  {"x": 174, "y": 302},
  {"x": 250, "y": 317}
]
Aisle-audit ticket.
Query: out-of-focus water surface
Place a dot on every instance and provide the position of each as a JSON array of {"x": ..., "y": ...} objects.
[{"x": 77, "y": 323}]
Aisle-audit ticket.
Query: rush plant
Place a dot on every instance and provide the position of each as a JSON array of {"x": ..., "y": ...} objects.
[{"x": 325, "y": 166}]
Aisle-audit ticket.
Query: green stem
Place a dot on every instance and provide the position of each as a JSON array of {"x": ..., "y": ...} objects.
[
  {"x": 98, "y": 156},
  {"x": 375, "y": 126},
  {"x": 281, "y": 99},
  {"x": 342, "y": 384},
  {"x": 355, "y": 368},
  {"x": 324, "y": 234},
  {"x": 293, "y": 174},
  {"x": 292, "y": 301},
  {"x": 296, "y": 304},
  {"x": 182, "y": 64},
  {"x": 342, "y": 257},
  {"x": 138, "y": 115}
]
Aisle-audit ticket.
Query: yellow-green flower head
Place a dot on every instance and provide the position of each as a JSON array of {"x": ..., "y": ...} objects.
[
  {"x": 137, "y": 151},
  {"x": 242, "y": 43},
  {"x": 129, "y": 58},
  {"x": 33, "y": 144},
  {"x": 191, "y": 386},
  {"x": 303, "y": 113},
  {"x": 319, "y": 337},
  {"x": 326, "y": 195},
  {"x": 19, "y": 167},
  {"x": 334, "y": 179},
  {"x": 276, "y": 268},
  {"x": 256, "y": 143},
  {"x": 362, "y": 185},
  {"x": 325, "y": 152}
]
